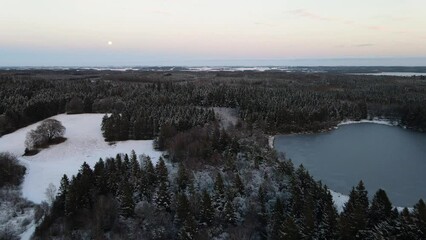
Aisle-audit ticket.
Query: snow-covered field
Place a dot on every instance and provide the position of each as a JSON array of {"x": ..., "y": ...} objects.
[{"x": 84, "y": 144}]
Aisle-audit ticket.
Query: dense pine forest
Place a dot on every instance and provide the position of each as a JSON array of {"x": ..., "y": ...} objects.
[
  {"x": 212, "y": 181},
  {"x": 275, "y": 102},
  {"x": 252, "y": 194}
]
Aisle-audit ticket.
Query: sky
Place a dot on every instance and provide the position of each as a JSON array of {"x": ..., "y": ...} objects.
[{"x": 205, "y": 32}]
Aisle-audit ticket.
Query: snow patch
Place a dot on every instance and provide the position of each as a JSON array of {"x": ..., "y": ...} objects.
[
  {"x": 29, "y": 232},
  {"x": 84, "y": 143},
  {"x": 339, "y": 200},
  {"x": 375, "y": 121},
  {"x": 271, "y": 140}
]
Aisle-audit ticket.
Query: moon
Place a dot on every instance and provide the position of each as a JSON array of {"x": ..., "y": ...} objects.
[{"x": 109, "y": 43}]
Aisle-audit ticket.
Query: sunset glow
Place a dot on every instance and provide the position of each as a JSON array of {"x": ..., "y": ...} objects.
[{"x": 175, "y": 31}]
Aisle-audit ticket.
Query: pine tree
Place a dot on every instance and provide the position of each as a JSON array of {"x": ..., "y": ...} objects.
[
  {"x": 182, "y": 178},
  {"x": 354, "y": 216},
  {"x": 183, "y": 210},
  {"x": 136, "y": 168},
  {"x": 150, "y": 173},
  {"x": 380, "y": 209},
  {"x": 101, "y": 178},
  {"x": 59, "y": 204},
  {"x": 327, "y": 228},
  {"x": 277, "y": 220},
  {"x": 230, "y": 215},
  {"x": 127, "y": 203},
  {"x": 71, "y": 198},
  {"x": 161, "y": 171},
  {"x": 85, "y": 182},
  {"x": 262, "y": 202},
  {"x": 238, "y": 185},
  {"x": 419, "y": 215},
  {"x": 289, "y": 230},
  {"x": 207, "y": 210},
  {"x": 162, "y": 197},
  {"x": 219, "y": 194},
  {"x": 188, "y": 229}
]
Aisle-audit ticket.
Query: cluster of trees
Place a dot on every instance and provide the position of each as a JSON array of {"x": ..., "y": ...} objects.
[
  {"x": 274, "y": 102},
  {"x": 48, "y": 132},
  {"x": 11, "y": 172},
  {"x": 146, "y": 123},
  {"x": 255, "y": 195}
]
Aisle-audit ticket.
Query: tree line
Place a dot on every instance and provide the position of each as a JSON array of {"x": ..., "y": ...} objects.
[
  {"x": 273, "y": 102},
  {"x": 121, "y": 198}
]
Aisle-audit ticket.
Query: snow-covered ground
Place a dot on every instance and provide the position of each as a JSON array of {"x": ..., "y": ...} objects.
[
  {"x": 271, "y": 140},
  {"x": 376, "y": 121},
  {"x": 339, "y": 200},
  {"x": 84, "y": 144}
]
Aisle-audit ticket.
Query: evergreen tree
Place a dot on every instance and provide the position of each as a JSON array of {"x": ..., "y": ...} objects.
[
  {"x": 327, "y": 226},
  {"x": 150, "y": 173},
  {"x": 238, "y": 185},
  {"x": 380, "y": 209},
  {"x": 136, "y": 168},
  {"x": 188, "y": 230},
  {"x": 183, "y": 210},
  {"x": 62, "y": 194},
  {"x": 83, "y": 186},
  {"x": 182, "y": 177},
  {"x": 354, "y": 216},
  {"x": 419, "y": 215},
  {"x": 230, "y": 215},
  {"x": 101, "y": 178},
  {"x": 262, "y": 202},
  {"x": 127, "y": 203},
  {"x": 277, "y": 220},
  {"x": 207, "y": 210},
  {"x": 71, "y": 198},
  {"x": 162, "y": 197},
  {"x": 161, "y": 171},
  {"x": 289, "y": 230},
  {"x": 219, "y": 194}
]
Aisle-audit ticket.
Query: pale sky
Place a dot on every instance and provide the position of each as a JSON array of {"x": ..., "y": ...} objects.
[{"x": 182, "y": 32}]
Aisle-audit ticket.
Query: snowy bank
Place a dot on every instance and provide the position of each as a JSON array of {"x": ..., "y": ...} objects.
[
  {"x": 376, "y": 121},
  {"x": 84, "y": 143},
  {"x": 271, "y": 140}
]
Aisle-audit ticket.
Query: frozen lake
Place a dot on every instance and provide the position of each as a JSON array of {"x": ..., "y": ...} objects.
[{"x": 386, "y": 157}]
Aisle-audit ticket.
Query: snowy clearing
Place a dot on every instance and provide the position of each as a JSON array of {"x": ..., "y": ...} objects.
[{"x": 84, "y": 144}]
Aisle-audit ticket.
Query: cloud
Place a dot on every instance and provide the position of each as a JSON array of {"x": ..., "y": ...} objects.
[{"x": 308, "y": 14}]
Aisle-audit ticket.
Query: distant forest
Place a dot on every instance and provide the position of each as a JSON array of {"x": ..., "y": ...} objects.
[{"x": 142, "y": 102}]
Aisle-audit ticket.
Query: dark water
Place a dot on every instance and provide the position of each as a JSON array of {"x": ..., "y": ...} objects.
[{"x": 386, "y": 157}]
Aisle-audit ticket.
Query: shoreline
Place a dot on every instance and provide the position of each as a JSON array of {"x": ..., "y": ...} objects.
[{"x": 380, "y": 121}]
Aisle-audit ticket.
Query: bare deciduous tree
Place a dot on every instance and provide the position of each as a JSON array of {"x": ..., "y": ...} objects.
[
  {"x": 50, "y": 193},
  {"x": 47, "y": 131}
]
